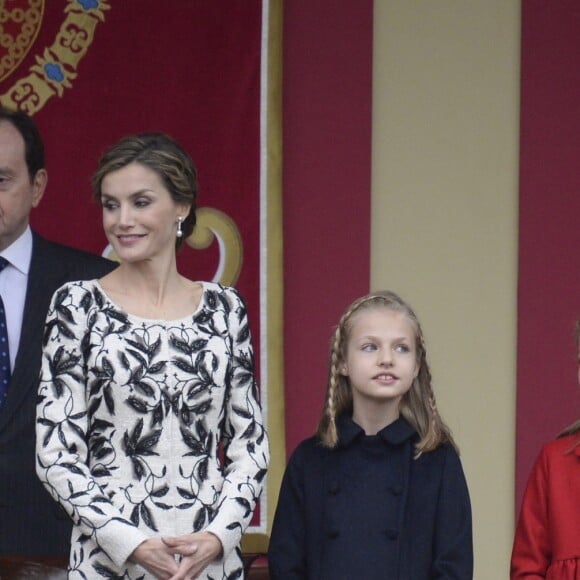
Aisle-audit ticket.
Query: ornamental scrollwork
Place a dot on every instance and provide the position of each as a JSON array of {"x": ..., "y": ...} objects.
[
  {"x": 211, "y": 225},
  {"x": 57, "y": 66}
]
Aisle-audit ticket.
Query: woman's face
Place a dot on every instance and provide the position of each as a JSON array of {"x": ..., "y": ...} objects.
[{"x": 139, "y": 214}]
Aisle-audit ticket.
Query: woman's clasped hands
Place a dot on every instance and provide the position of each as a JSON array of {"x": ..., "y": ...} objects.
[{"x": 197, "y": 550}]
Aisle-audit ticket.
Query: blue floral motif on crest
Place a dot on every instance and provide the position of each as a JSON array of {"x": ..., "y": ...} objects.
[
  {"x": 54, "y": 72},
  {"x": 89, "y": 4}
]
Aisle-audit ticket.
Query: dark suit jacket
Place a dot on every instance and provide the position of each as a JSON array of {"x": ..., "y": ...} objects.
[{"x": 31, "y": 522}]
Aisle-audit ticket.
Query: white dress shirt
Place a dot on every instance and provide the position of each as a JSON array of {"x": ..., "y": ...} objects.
[{"x": 13, "y": 282}]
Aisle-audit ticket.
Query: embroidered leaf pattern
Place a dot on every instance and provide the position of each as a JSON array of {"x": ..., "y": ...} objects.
[{"x": 133, "y": 413}]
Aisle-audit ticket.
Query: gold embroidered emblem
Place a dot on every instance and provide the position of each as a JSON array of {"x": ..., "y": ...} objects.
[
  {"x": 19, "y": 26},
  {"x": 56, "y": 67}
]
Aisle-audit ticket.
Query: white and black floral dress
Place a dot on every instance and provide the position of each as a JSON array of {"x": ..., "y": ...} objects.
[{"x": 149, "y": 427}]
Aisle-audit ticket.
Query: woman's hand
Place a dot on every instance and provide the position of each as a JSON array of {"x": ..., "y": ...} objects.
[
  {"x": 155, "y": 557},
  {"x": 197, "y": 551}
]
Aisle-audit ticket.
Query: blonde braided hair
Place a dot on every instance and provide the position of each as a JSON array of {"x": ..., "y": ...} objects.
[{"x": 418, "y": 405}]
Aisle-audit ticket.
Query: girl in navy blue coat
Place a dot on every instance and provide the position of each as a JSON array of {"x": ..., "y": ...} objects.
[{"x": 379, "y": 492}]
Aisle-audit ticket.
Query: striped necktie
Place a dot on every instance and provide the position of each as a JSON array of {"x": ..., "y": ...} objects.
[{"x": 4, "y": 350}]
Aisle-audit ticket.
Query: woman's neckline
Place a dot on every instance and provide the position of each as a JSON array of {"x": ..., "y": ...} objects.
[{"x": 136, "y": 317}]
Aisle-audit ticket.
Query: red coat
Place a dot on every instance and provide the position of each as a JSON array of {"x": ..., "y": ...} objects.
[{"x": 547, "y": 540}]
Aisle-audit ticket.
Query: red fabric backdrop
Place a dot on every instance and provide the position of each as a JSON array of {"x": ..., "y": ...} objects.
[
  {"x": 186, "y": 67},
  {"x": 190, "y": 68},
  {"x": 549, "y": 256},
  {"x": 328, "y": 48}
]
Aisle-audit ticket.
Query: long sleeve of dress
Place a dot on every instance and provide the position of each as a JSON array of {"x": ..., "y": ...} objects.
[
  {"x": 244, "y": 441},
  {"x": 62, "y": 435}
]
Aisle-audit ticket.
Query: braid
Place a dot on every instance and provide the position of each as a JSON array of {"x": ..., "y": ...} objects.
[
  {"x": 338, "y": 394},
  {"x": 434, "y": 433},
  {"x": 330, "y": 438},
  {"x": 419, "y": 406}
]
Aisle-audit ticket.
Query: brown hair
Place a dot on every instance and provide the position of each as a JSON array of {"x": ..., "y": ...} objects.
[
  {"x": 164, "y": 156},
  {"x": 418, "y": 405}
]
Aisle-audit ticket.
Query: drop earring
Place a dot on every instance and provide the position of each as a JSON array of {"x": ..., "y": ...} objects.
[{"x": 179, "y": 232}]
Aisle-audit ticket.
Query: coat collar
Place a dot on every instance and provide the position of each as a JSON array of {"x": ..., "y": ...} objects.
[{"x": 394, "y": 434}]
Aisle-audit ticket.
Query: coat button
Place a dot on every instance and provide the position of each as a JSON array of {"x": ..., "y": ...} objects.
[
  {"x": 396, "y": 489},
  {"x": 333, "y": 534},
  {"x": 392, "y": 533}
]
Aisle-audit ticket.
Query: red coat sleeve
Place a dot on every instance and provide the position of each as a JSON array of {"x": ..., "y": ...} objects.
[{"x": 532, "y": 552}]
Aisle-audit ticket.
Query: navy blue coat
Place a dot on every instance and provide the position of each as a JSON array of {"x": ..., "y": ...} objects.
[{"x": 367, "y": 509}]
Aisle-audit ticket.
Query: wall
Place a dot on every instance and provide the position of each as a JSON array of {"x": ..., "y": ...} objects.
[
  {"x": 444, "y": 216},
  {"x": 549, "y": 268},
  {"x": 327, "y": 91},
  {"x": 444, "y": 223}
]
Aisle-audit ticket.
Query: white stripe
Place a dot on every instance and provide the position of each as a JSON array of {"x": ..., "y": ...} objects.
[{"x": 262, "y": 528}]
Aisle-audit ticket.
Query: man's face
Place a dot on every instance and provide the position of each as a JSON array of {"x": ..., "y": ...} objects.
[{"x": 18, "y": 193}]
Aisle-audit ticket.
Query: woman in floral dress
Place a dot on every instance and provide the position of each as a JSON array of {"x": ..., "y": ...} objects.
[{"x": 149, "y": 427}]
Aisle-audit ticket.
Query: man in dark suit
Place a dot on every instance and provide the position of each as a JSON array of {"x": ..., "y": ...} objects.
[{"x": 31, "y": 522}]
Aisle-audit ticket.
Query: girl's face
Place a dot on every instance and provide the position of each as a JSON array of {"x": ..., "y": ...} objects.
[
  {"x": 139, "y": 214},
  {"x": 381, "y": 359}
]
